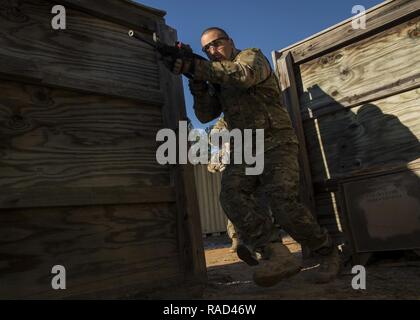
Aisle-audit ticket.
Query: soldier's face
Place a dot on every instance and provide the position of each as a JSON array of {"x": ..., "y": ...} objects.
[{"x": 217, "y": 46}]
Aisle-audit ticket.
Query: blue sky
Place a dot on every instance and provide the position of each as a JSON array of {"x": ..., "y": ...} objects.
[{"x": 265, "y": 24}]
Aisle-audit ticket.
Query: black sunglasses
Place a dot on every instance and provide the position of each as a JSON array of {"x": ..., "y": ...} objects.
[{"x": 215, "y": 43}]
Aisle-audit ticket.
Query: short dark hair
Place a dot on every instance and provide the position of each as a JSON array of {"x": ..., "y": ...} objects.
[{"x": 216, "y": 29}]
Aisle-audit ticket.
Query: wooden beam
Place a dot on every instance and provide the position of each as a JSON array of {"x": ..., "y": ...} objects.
[
  {"x": 125, "y": 13},
  {"x": 67, "y": 197},
  {"x": 190, "y": 237},
  {"x": 397, "y": 88},
  {"x": 331, "y": 185},
  {"x": 19, "y": 69},
  {"x": 285, "y": 69},
  {"x": 27, "y": 71},
  {"x": 91, "y": 55},
  {"x": 59, "y": 138},
  {"x": 360, "y": 73},
  {"x": 382, "y": 133},
  {"x": 109, "y": 251},
  {"x": 378, "y": 18}
]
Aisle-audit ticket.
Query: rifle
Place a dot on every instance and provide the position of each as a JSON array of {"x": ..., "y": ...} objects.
[{"x": 179, "y": 50}]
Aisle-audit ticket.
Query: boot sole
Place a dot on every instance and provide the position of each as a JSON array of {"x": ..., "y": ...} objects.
[{"x": 246, "y": 256}]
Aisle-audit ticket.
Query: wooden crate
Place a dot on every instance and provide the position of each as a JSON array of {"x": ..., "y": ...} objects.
[
  {"x": 80, "y": 184},
  {"x": 354, "y": 97}
]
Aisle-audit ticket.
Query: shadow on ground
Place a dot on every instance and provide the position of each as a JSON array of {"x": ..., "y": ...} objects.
[{"x": 229, "y": 278}]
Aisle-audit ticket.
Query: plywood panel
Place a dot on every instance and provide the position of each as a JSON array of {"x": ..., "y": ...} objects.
[
  {"x": 379, "y": 17},
  {"x": 367, "y": 70},
  {"x": 79, "y": 113},
  {"x": 62, "y": 197},
  {"x": 91, "y": 54},
  {"x": 125, "y": 12},
  {"x": 190, "y": 239},
  {"x": 101, "y": 247},
  {"x": 384, "y": 132},
  {"x": 56, "y": 138}
]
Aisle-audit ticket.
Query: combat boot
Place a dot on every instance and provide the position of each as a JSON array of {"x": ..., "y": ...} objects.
[
  {"x": 279, "y": 264},
  {"x": 330, "y": 266},
  {"x": 234, "y": 246},
  {"x": 246, "y": 255}
]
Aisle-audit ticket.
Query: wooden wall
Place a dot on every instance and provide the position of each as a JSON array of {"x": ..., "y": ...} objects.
[
  {"x": 91, "y": 54},
  {"x": 81, "y": 187},
  {"x": 355, "y": 101}
]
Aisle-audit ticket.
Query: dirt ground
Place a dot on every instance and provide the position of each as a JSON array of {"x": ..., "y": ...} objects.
[{"x": 396, "y": 277}]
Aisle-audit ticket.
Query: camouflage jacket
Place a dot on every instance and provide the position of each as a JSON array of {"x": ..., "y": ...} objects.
[{"x": 247, "y": 93}]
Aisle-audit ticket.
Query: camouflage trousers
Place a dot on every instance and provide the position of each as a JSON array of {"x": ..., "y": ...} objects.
[{"x": 246, "y": 199}]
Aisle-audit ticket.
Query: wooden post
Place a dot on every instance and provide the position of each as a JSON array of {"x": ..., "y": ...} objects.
[
  {"x": 190, "y": 240},
  {"x": 285, "y": 70}
]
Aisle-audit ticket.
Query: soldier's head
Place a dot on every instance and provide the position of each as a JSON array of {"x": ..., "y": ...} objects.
[{"x": 217, "y": 44}]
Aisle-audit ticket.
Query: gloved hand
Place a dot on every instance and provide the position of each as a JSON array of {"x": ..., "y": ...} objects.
[
  {"x": 179, "y": 59},
  {"x": 183, "y": 66},
  {"x": 197, "y": 87}
]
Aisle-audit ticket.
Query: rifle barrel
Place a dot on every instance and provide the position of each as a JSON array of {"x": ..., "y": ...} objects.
[{"x": 133, "y": 34}]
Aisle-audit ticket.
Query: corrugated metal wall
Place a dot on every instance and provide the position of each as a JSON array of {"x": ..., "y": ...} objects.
[{"x": 213, "y": 218}]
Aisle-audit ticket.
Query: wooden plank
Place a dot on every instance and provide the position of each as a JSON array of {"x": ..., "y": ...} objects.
[
  {"x": 379, "y": 134},
  {"x": 126, "y": 13},
  {"x": 332, "y": 185},
  {"x": 328, "y": 210},
  {"x": 170, "y": 114},
  {"x": 55, "y": 138},
  {"x": 85, "y": 196},
  {"x": 286, "y": 74},
  {"x": 136, "y": 288},
  {"x": 190, "y": 238},
  {"x": 90, "y": 55},
  {"x": 362, "y": 72},
  {"x": 328, "y": 207},
  {"x": 101, "y": 247},
  {"x": 327, "y": 30},
  {"x": 378, "y": 18},
  {"x": 17, "y": 68},
  {"x": 194, "y": 246}
]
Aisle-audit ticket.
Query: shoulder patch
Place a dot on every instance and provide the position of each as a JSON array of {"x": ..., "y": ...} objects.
[{"x": 251, "y": 52}]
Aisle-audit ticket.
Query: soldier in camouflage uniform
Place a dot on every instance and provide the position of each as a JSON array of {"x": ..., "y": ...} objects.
[{"x": 242, "y": 85}]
